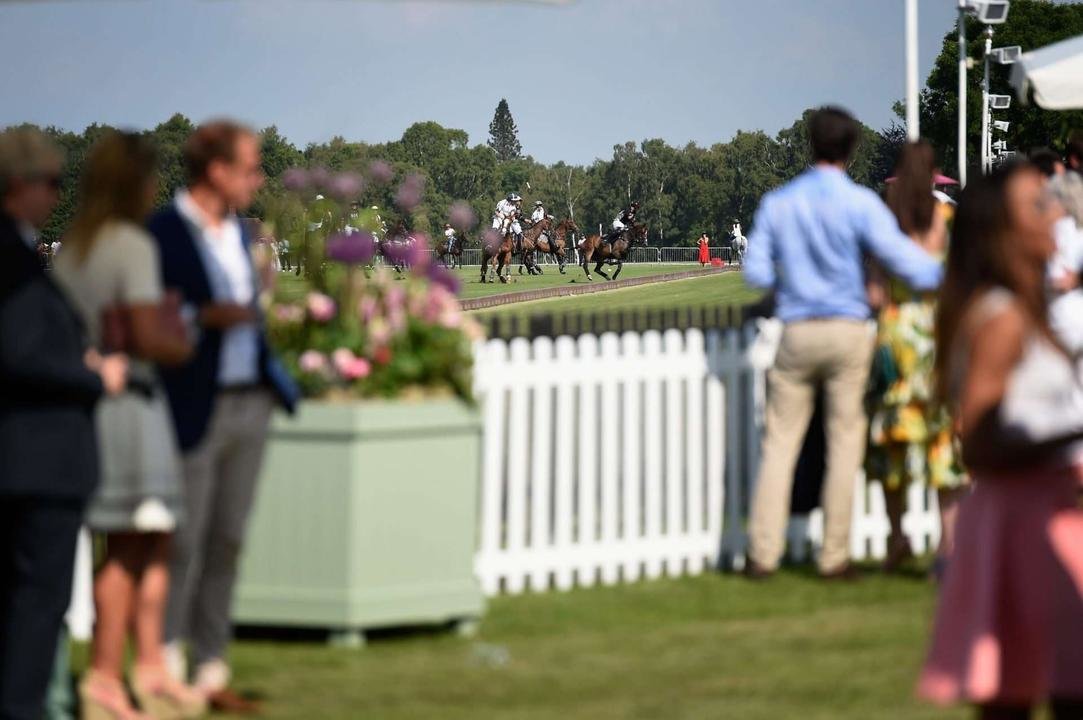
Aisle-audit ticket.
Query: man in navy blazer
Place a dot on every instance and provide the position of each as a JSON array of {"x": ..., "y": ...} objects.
[{"x": 221, "y": 400}]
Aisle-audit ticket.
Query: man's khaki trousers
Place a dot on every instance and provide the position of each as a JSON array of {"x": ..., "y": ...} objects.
[{"x": 836, "y": 355}]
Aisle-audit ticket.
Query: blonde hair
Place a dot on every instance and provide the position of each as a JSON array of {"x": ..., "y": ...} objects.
[
  {"x": 25, "y": 152},
  {"x": 113, "y": 186}
]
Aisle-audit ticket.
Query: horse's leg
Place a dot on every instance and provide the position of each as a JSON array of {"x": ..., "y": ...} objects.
[
  {"x": 620, "y": 266},
  {"x": 599, "y": 270},
  {"x": 584, "y": 259},
  {"x": 562, "y": 262}
]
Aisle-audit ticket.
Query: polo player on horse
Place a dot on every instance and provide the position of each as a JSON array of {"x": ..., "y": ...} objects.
[
  {"x": 507, "y": 217},
  {"x": 622, "y": 222}
]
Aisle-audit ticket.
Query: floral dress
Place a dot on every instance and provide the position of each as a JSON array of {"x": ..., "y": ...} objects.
[{"x": 910, "y": 433}]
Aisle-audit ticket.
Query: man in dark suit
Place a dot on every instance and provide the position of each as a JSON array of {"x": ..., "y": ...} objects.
[
  {"x": 221, "y": 400},
  {"x": 49, "y": 384}
]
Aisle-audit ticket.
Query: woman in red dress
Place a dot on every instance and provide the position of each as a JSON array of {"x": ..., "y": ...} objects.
[{"x": 704, "y": 250}]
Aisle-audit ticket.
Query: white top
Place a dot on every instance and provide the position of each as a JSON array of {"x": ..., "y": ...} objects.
[
  {"x": 449, "y": 233},
  {"x": 539, "y": 214},
  {"x": 232, "y": 280},
  {"x": 505, "y": 207}
]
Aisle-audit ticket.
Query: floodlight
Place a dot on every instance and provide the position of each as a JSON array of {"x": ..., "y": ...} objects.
[
  {"x": 990, "y": 12},
  {"x": 1006, "y": 55},
  {"x": 1000, "y": 146},
  {"x": 1001, "y": 125},
  {"x": 1000, "y": 102}
]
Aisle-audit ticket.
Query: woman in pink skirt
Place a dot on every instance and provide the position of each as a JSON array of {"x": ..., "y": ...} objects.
[{"x": 1009, "y": 626}]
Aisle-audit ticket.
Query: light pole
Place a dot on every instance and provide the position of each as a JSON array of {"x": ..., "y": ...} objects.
[
  {"x": 988, "y": 12},
  {"x": 913, "y": 130},
  {"x": 985, "y": 149},
  {"x": 962, "y": 94}
]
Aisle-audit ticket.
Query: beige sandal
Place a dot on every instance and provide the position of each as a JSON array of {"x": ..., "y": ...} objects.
[
  {"x": 105, "y": 698},
  {"x": 164, "y": 697}
]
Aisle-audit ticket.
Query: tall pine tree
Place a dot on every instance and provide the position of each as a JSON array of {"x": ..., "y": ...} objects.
[{"x": 503, "y": 135}]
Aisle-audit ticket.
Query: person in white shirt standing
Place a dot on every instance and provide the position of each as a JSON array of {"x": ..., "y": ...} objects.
[{"x": 221, "y": 400}]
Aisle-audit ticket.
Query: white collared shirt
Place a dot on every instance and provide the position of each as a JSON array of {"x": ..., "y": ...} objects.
[{"x": 229, "y": 271}]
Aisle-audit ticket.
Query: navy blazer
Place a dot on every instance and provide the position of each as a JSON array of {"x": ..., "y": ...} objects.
[
  {"x": 48, "y": 446},
  {"x": 192, "y": 387}
]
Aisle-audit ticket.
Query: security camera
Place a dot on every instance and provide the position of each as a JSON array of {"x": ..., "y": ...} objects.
[
  {"x": 1007, "y": 55},
  {"x": 1001, "y": 125},
  {"x": 1000, "y": 102},
  {"x": 990, "y": 12}
]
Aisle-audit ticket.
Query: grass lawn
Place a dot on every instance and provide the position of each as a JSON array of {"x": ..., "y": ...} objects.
[
  {"x": 292, "y": 286},
  {"x": 725, "y": 289},
  {"x": 708, "y": 647}
]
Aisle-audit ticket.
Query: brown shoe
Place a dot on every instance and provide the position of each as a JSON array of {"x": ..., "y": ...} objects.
[
  {"x": 231, "y": 702},
  {"x": 844, "y": 573},
  {"x": 755, "y": 571}
]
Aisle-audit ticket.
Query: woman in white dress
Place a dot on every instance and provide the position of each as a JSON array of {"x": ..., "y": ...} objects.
[{"x": 110, "y": 271}]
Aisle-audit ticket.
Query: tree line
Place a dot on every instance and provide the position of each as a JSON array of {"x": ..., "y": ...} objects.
[{"x": 684, "y": 191}]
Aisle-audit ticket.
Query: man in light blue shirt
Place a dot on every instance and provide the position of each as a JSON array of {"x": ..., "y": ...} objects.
[{"x": 808, "y": 246}]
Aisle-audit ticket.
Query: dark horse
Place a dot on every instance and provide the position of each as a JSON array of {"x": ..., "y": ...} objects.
[
  {"x": 530, "y": 243},
  {"x": 592, "y": 248},
  {"x": 454, "y": 254},
  {"x": 395, "y": 246},
  {"x": 555, "y": 242}
]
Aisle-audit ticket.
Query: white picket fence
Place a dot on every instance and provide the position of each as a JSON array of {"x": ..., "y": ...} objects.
[{"x": 614, "y": 458}]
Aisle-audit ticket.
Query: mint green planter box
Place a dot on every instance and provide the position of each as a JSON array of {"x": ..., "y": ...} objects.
[{"x": 365, "y": 517}]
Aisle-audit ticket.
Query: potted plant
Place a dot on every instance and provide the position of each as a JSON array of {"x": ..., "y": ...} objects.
[{"x": 367, "y": 508}]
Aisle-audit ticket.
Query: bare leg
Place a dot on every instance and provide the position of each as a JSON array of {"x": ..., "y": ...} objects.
[
  {"x": 114, "y": 598},
  {"x": 949, "y": 511},
  {"x": 150, "y": 597}
]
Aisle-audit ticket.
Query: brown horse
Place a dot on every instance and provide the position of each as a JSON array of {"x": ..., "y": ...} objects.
[
  {"x": 554, "y": 243},
  {"x": 530, "y": 244},
  {"x": 455, "y": 254},
  {"x": 496, "y": 254},
  {"x": 592, "y": 248}
]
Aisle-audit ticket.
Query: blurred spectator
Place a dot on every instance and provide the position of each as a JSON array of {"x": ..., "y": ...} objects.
[
  {"x": 807, "y": 246},
  {"x": 1048, "y": 162},
  {"x": 1073, "y": 156},
  {"x": 221, "y": 399},
  {"x": 110, "y": 270},
  {"x": 49, "y": 383},
  {"x": 911, "y": 438},
  {"x": 1066, "y": 298},
  {"x": 1009, "y": 627},
  {"x": 284, "y": 254}
]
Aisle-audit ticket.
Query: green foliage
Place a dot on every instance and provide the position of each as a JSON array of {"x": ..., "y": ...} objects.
[
  {"x": 1031, "y": 24},
  {"x": 503, "y": 134},
  {"x": 683, "y": 190}
]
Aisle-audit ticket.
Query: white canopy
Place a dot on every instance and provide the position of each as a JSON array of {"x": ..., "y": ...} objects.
[{"x": 1055, "y": 72}]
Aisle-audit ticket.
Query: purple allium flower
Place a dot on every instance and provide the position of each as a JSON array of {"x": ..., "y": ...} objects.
[
  {"x": 491, "y": 240},
  {"x": 296, "y": 180},
  {"x": 351, "y": 248},
  {"x": 417, "y": 250},
  {"x": 462, "y": 217},
  {"x": 409, "y": 193},
  {"x": 346, "y": 186},
  {"x": 319, "y": 177},
  {"x": 381, "y": 172},
  {"x": 444, "y": 278},
  {"x": 397, "y": 251}
]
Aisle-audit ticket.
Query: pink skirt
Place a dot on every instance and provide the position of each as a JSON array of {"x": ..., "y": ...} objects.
[{"x": 1009, "y": 626}]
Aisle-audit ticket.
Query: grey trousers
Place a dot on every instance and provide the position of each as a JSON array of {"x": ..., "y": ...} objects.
[
  {"x": 219, "y": 486},
  {"x": 835, "y": 354}
]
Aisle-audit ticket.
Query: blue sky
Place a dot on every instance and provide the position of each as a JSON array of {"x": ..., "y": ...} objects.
[{"x": 579, "y": 78}]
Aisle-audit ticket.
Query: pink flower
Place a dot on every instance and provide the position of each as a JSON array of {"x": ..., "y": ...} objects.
[
  {"x": 321, "y": 307},
  {"x": 289, "y": 314},
  {"x": 382, "y": 355},
  {"x": 349, "y": 366},
  {"x": 366, "y": 308},
  {"x": 395, "y": 298},
  {"x": 312, "y": 361},
  {"x": 379, "y": 331}
]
